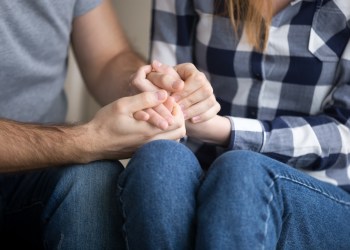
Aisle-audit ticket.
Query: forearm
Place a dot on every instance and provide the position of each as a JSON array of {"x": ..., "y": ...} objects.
[
  {"x": 103, "y": 53},
  {"x": 31, "y": 146},
  {"x": 113, "y": 82}
]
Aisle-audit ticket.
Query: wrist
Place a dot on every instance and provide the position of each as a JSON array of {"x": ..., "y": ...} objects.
[
  {"x": 216, "y": 130},
  {"x": 84, "y": 148}
]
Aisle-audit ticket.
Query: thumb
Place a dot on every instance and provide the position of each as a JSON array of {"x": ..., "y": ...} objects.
[
  {"x": 165, "y": 77},
  {"x": 186, "y": 70},
  {"x": 146, "y": 100}
]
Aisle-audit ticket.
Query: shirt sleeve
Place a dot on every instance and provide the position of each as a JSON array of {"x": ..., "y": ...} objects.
[
  {"x": 313, "y": 143},
  {"x": 84, "y": 6}
]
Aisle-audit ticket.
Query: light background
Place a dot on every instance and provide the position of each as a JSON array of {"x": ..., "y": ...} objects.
[{"x": 134, "y": 16}]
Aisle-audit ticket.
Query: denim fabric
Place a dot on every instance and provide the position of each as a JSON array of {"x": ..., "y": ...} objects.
[
  {"x": 63, "y": 208},
  {"x": 245, "y": 201},
  {"x": 157, "y": 193}
]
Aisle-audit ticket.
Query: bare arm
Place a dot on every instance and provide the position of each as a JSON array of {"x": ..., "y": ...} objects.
[
  {"x": 103, "y": 53},
  {"x": 107, "y": 61},
  {"x": 30, "y": 146},
  {"x": 216, "y": 130},
  {"x": 112, "y": 134}
]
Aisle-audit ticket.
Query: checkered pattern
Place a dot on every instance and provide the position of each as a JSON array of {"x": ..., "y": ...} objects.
[{"x": 291, "y": 102}]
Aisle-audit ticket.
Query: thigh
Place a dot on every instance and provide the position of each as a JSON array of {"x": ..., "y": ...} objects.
[
  {"x": 30, "y": 200},
  {"x": 248, "y": 200},
  {"x": 23, "y": 197},
  {"x": 82, "y": 211},
  {"x": 315, "y": 213}
]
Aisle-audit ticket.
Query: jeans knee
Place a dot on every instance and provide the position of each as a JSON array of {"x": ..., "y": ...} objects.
[
  {"x": 241, "y": 168},
  {"x": 161, "y": 163},
  {"x": 163, "y": 150},
  {"x": 163, "y": 157}
]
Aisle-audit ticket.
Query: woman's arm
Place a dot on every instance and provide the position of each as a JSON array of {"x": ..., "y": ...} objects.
[{"x": 216, "y": 130}]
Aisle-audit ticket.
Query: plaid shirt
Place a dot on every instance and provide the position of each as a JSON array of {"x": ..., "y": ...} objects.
[{"x": 291, "y": 102}]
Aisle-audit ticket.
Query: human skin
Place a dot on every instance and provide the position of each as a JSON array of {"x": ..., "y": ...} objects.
[
  {"x": 106, "y": 62},
  {"x": 112, "y": 134},
  {"x": 195, "y": 98},
  {"x": 192, "y": 90}
]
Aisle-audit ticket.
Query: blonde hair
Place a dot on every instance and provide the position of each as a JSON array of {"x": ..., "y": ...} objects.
[{"x": 255, "y": 15}]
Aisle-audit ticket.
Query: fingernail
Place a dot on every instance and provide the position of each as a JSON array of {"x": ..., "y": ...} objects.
[
  {"x": 196, "y": 119},
  {"x": 157, "y": 63}
]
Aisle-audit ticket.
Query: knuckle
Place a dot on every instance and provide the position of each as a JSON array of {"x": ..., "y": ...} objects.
[
  {"x": 133, "y": 81},
  {"x": 211, "y": 103},
  {"x": 136, "y": 82},
  {"x": 147, "y": 99},
  {"x": 200, "y": 77},
  {"x": 191, "y": 66},
  {"x": 208, "y": 90},
  {"x": 119, "y": 106}
]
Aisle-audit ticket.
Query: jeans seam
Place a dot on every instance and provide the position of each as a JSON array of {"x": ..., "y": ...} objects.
[
  {"x": 268, "y": 213},
  {"x": 312, "y": 188},
  {"x": 124, "y": 216}
]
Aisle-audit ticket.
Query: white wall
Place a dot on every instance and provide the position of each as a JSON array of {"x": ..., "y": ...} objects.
[{"x": 135, "y": 18}]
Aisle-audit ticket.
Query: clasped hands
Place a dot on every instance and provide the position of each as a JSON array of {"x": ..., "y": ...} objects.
[
  {"x": 167, "y": 103},
  {"x": 187, "y": 90}
]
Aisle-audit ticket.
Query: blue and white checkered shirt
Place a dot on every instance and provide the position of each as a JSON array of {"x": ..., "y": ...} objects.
[{"x": 291, "y": 102}]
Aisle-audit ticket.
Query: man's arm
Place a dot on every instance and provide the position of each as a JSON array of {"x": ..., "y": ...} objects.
[
  {"x": 107, "y": 61},
  {"x": 105, "y": 58},
  {"x": 31, "y": 146},
  {"x": 112, "y": 134}
]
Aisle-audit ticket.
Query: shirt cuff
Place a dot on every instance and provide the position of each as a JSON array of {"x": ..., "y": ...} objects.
[{"x": 246, "y": 134}]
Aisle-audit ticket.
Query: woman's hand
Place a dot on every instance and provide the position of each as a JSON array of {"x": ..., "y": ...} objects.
[
  {"x": 185, "y": 84},
  {"x": 195, "y": 97}
]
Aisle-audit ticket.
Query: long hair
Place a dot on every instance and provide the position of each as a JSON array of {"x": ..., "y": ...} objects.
[{"x": 255, "y": 15}]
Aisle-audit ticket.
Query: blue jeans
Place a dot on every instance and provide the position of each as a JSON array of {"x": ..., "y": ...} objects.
[
  {"x": 61, "y": 208},
  {"x": 244, "y": 201}
]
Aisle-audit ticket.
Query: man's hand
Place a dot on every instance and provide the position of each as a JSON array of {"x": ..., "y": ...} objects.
[{"x": 117, "y": 134}]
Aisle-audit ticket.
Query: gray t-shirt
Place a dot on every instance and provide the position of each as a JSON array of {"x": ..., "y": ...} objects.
[{"x": 34, "y": 44}]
